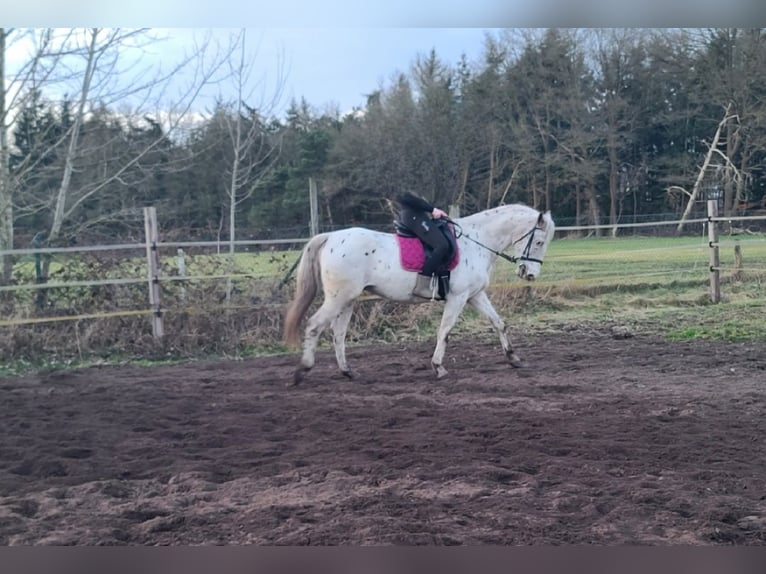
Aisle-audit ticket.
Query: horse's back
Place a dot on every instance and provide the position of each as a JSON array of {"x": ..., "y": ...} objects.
[
  {"x": 360, "y": 252},
  {"x": 351, "y": 240}
]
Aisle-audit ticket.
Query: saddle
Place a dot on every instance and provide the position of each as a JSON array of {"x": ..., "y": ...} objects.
[{"x": 413, "y": 252}]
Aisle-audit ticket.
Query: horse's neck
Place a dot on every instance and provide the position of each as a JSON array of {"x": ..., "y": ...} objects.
[{"x": 499, "y": 227}]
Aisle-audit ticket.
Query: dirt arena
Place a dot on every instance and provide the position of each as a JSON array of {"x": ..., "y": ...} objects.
[{"x": 600, "y": 439}]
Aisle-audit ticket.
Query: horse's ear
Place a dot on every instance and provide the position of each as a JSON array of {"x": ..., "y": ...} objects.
[{"x": 540, "y": 219}]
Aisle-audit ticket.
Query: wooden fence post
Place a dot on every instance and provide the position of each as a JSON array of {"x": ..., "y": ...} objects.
[
  {"x": 715, "y": 261},
  {"x": 182, "y": 273},
  {"x": 314, "y": 205},
  {"x": 737, "y": 262},
  {"x": 153, "y": 265}
]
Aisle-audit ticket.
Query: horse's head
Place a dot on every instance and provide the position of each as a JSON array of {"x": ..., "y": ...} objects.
[{"x": 531, "y": 247}]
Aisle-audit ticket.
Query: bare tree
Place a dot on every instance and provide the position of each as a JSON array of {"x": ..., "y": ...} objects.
[
  {"x": 713, "y": 148},
  {"x": 252, "y": 155},
  {"x": 6, "y": 201},
  {"x": 104, "y": 68},
  {"x": 15, "y": 88},
  {"x": 731, "y": 72},
  {"x": 100, "y": 54}
]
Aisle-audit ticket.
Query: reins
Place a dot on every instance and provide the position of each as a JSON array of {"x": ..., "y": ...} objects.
[{"x": 512, "y": 258}]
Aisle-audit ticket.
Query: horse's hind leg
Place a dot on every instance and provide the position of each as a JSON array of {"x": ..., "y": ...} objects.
[
  {"x": 339, "y": 329},
  {"x": 483, "y": 305},
  {"x": 314, "y": 329}
]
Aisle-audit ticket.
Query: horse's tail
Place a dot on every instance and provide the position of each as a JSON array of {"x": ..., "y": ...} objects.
[{"x": 307, "y": 280}]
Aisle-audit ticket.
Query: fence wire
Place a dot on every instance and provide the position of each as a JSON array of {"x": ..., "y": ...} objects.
[{"x": 201, "y": 291}]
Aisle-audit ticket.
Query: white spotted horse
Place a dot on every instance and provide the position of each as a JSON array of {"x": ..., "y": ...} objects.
[{"x": 348, "y": 262}]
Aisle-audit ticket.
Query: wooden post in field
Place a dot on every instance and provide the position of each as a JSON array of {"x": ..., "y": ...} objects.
[
  {"x": 737, "y": 262},
  {"x": 182, "y": 273},
  {"x": 715, "y": 262},
  {"x": 153, "y": 266},
  {"x": 454, "y": 211},
  {"x": 314, "y": 206}
]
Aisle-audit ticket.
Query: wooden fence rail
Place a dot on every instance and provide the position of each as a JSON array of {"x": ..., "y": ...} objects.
[{"x": 152, "y": 247}]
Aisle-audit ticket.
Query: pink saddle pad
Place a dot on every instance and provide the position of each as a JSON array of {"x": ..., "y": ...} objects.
[{"x": 413, "y": 255}]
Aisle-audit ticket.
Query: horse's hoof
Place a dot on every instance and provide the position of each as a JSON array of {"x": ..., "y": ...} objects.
[
  {"x": 298, "y": 375},
  {"x": 514, "y": 360},
  {"x": 441, "y": 372},
  {"x": 349, "y": 374}
]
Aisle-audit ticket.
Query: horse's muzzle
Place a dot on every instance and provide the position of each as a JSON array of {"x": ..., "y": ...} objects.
[{"x": 524, "y": 274}]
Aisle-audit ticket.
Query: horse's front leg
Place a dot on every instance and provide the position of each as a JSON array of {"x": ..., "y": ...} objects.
[
  {"x": 452, "y": 308},
  {"x": 483, "y": 305}
]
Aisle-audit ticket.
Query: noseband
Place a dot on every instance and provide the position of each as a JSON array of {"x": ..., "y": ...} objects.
[{"x": 528, "y": 247}]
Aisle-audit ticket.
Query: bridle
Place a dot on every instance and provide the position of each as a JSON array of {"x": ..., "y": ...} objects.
[{"x": 512, "y": 258}]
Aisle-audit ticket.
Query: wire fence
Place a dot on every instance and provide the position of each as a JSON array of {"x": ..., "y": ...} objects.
[{"x": 119, "y": 279}]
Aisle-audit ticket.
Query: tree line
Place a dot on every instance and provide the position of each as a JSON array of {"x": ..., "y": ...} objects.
[{"x": 599, "y": 126}]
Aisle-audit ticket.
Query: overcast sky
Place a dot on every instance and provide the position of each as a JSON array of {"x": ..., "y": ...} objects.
[
  {"x": 329, "y": 67},
  {"x": 336, "y": 51},
  {"x": 340, "y": 65},
  {"x": 384, "y": 13}
]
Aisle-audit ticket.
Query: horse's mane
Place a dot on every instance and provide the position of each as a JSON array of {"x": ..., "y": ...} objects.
[{"x": 499, "y": 208}]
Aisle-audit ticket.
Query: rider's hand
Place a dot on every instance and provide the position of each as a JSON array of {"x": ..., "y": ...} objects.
[{"x": 438, "y": 213}]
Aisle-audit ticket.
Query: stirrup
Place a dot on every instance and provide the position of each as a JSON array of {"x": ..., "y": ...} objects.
[{"x": 426, "y": 287}]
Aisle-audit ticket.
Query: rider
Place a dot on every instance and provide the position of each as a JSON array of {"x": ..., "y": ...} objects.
[{"x": 417, "y": 215}]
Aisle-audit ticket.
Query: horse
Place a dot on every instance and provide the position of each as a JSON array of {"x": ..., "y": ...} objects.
[{"x": 347, "y": 262}]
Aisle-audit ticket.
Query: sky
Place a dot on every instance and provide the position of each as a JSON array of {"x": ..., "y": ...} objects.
[
  {"x": 384, "y": 13},
  {"x": 336, "y": 51},
  {"x": 339, "y": 66},
  {"x": 332, "y": 68}
]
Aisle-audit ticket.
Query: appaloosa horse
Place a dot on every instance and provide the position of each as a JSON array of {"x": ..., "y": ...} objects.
[{"x": 347, "y": 262}]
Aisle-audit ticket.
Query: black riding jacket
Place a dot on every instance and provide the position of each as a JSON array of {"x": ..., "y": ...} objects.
[{"x": 412, "y": 202}]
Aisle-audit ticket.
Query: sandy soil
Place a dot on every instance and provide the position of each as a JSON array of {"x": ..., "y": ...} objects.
[{"x": 598, "y": 440}]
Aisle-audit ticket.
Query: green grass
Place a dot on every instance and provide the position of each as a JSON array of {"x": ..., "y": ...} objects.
[
  {"x": 642, "y": 285},
  {"x": 657, "y": 285},
  {"x": 641, "y": 259},
  {"x": 260, "y": 264},
  {"x": 577, "y": 261},
  {"x": 645, "y": 285}
]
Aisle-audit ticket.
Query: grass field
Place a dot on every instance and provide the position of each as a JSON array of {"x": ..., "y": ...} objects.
[
  {"x": 642, "y": 283},
  {"x": 634, "y": 284},
  {"x": 657, "y": 284},
  {"x": 640, "y": 259}
]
